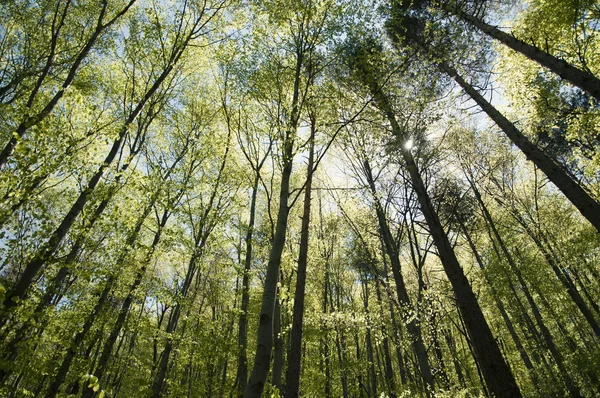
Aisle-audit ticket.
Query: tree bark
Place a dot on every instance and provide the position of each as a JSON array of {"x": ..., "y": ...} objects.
[
  {"x": 292, "y": 378},
  {"x": 414, "y": 329},
  {"x": 79, "y": 337},
  {"x": 264, "y": 346},
  {"x": 584, "y": 80},
  {"x": 509, "y": 325},
  {"x": 125, "y": 307},
  {"x": 241, "y": 378},
  {"x": 580, "y": 198}
]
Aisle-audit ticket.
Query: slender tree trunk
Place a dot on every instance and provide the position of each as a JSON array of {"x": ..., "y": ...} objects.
[
  {"x": 586, "y": 205},
  {"x": 441, "y": 370},
  {"x": 498, "y": 376},
  {"x": 584, "y": 80},
  {"x": 242, "y": 368},
  {"x": 325, "y": 338},
  {"x": 571, "y": 386},
  {"x": 564, "y": 278},
  {"x": 388, "y": 368},
  {"x": 369, "y": 343},
  {"x": 496, "y": 373},
  {"x": 125, "y": 307},
  {"x": 278, "y": 348},
  {"x": 264, "y": 346},
  {"x": 397, "y": 332},
  {"x": 452, "y": 346},
  {"x": 158, "y": 384},
  {"x": 262, "y": 358},
  {"x": 414, "y": 329},
  {"x": 292, "y": 379},
  {"x": 509, "y": 325},
  {"x": 340, "y": 343},
  {"x": 202, "y": 232}
]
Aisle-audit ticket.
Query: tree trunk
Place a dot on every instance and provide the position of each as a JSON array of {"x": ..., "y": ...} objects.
[
  {"x": 572, "y": 388},
  {"x": 278, "y": 348},
  {"x": 241, "y": 378},
  {"x": 388, "y": 369},
  {"x": 564, "y": 278},
  {"x": 509, "y": 325},
  {"x": 414, "y": 329},
  {"x": 497, "y": 374},
  {"x": 264, "y": 346},
  {"x": 292, "y": 378},
  {"x": 452, "y": 346},
  {"x": 586, "y": 205},
  {"x": 584, "y": 80},
  {"x": 79, "y": 337}
]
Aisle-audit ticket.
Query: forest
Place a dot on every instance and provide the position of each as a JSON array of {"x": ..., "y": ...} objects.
[{"x": 300, "y": 198}]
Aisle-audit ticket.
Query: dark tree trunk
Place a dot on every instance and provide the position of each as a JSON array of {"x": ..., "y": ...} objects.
[
  {"x": 242, "y": 368},
  {"x": 79, "y": 337},
  {"x": 509, "y": 325},
  {"x": 563, "y": 277},
  {"x": 278, "y": 347},
  {"x": 264, "y": 346},
  {"x": 586, "y": 205},
  {"x": 584, "y": 80},
  {"x": 388, "y": 369},
  {"x": 452, "y": 346},
  {"x": 549, "y": 340},
  {"x": 498, "y": 376},
  {"x": 413, "y": 327},
  {"x": 292, "y": 378},
  {"x": 126, "y": 306}
]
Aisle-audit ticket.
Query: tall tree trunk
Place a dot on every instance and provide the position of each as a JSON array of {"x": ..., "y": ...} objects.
[
  {"x": 413, "y": 327},
  {"x": 498, "y": 376},
  {"x": 126, "y": 306},
  {"x": 509, "y": 325},
  {"x": 79, "y": 337},
  {"x": 549, "y": 340},
  {"x": 452, "y": 346},
  {"x": 278, "y": 347},
  {"x": 241, "y": 378},
  {"x": 325, "y": 309},
  {"x": 563, "y": 277},
  {"x": 292, "y": 378},
  {"x": 202, "y": 232},
  {"x": 586, "y": 205},
  {"x": 388, "y": 368},
  {"x": 264, "y": 346},
  {"x": 262, "y": 360},
  {"x": 584, "y": 80},
  {"x": 369, "y": 343},
  {"x": 396, "y": 328}
]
